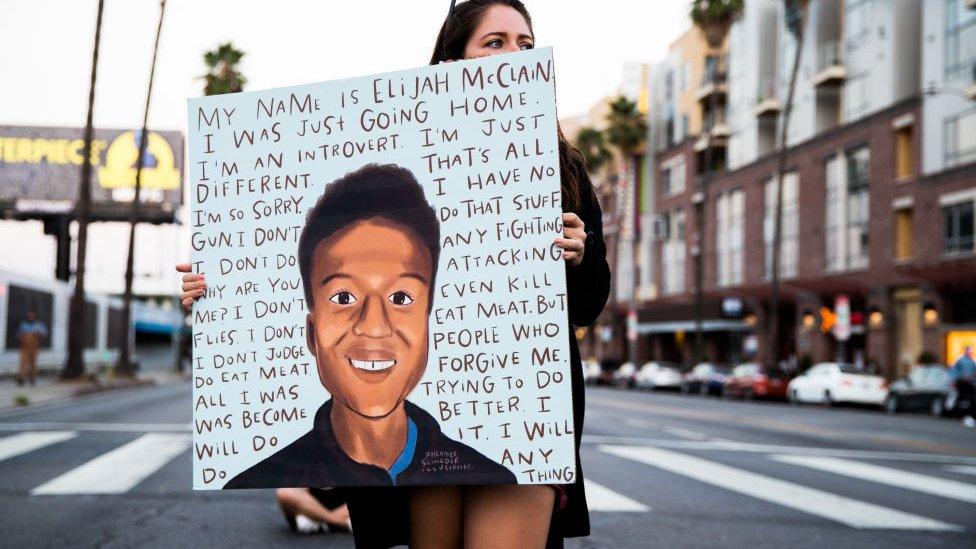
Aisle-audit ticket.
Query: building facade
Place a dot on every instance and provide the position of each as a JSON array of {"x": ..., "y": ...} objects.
[{"x": 877, "y": 194}]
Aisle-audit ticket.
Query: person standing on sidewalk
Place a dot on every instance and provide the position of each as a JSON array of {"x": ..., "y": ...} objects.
[
  {"x": 964, "y": 374},
  {"x": 30, "y": 333},
  {"x": 498, "y": 516}
]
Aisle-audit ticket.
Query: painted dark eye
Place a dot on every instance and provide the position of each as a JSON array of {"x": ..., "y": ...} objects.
[
  {"x": 401, "y": 298},
  {"x": 343, "y": 298}
]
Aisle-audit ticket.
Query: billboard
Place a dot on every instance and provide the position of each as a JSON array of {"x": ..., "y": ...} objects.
[{"x": 40, "y": 168}]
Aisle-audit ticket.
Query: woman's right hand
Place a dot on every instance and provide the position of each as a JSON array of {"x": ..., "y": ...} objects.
[{"x": 194, "y": 285}]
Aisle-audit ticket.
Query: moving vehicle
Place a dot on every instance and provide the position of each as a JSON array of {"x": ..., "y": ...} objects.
[
  {"x": 659, "y": 375},
  {"x": 751, "y": 380},
  {"x": 831, "y": 382},
  {"x": 924, "y": 388},
  {"x": 624, "y": 376}
]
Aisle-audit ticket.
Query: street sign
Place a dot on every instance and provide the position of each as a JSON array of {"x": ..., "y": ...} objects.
[{"x": 842, "y": 323}]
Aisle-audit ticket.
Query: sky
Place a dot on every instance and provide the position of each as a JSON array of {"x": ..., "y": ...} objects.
[
  {"x": 45, "y": 65},
  {"x": 46, "y": 49}
]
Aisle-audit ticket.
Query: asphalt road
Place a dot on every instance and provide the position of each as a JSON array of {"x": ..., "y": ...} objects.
[{"x": 664, "y": 470}]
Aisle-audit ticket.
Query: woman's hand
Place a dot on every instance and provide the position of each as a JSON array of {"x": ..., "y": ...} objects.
[
  {"x": 194, "y": 286},
  {"x": 575, "y": 239}
]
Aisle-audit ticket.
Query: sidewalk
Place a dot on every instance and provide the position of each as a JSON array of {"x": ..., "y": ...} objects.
[{"x": 50, "y": 389}]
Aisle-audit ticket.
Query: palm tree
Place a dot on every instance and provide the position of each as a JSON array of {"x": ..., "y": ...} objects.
[
  {"x": 713, "y": 17},
  {"x": 795, "y": 18},
  {"x": 125, "y": 365},
  {"x": 74, "y": 366},
  {"x": 222, "y": 74},
  {"x": 627, "y": 132},
  {"x": 593, "y": 146}
]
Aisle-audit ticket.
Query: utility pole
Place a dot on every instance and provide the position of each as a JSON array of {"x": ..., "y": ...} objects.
[
  {"x": 125, "y": 365},
  {"x": 74, "y": 367}
]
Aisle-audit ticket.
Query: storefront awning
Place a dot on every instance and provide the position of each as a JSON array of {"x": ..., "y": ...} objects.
[{"x": 645, "y": 328}]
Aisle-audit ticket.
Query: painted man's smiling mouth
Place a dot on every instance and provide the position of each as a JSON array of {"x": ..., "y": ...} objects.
[{"x": 372, "y": 365}]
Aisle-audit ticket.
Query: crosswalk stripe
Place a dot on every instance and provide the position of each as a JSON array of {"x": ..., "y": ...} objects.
[
  {"x": 118, "y": 471},
  {"x": 22, "y": 443},
  {"x": 601, "y": 498},
  {"x": 964, "y": 469},
  {"x": 886, "y": 475},
  {"x": 852, "y": 512}
]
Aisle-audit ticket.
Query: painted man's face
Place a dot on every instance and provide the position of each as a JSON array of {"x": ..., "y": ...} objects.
[{"x": 368, "y": 325}]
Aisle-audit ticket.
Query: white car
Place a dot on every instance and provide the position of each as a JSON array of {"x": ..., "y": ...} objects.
[
  {"x": 831, "y": 382},
  {"x": 591, "y": 370},
  {"x": 624, "y": 376},
  {"x": 658, "y": 375}
]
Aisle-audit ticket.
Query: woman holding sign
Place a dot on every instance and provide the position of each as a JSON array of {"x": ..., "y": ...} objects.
[{"x": 497, "y": 515}]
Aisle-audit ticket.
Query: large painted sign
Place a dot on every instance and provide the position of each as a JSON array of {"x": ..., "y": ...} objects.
[
  {"x": 385, "y": 301},
  {"x": 40, "y": 168}
]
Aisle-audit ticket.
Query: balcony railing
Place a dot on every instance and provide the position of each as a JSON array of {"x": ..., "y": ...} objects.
[
  {"x": 767, "y": 99},
  {"x": 830, "y": 64}
]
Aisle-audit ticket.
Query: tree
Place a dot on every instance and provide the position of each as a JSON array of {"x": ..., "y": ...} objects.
[
  {"x": 222, "y": 74},
  {"x": 627, "y": 132},
  {"x": 592, "y": 144},
  {"x": 74, "y": 366},
  {"x": 713, "y": 18},
  {"x": 795, "y": 19},
  {"x": 125, "y": 365}
]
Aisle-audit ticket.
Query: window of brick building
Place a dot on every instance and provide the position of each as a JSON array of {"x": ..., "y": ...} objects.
[
  {"x": 673, "y": 253},
  {"x": 959, "y": 226},
  {"x": 904, "y": 152},
  {"x": 904, "y": 234},
  {"x": 960, "y": 138},
  {"x": 789, "y": 227},
  {"x": 730, "y": 237},
  {"x": 847, "y": 209}
]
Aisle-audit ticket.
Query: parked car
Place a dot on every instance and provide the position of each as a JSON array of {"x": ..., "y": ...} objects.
[
  {"x": 608, "y": 367},
  {"x": 624, "y": 376},
  {"x": 751, "y": 380},
  {"x": 926, "y": 387},
  {"x": 591, "y": 371},
  {"x": 830, "y": 382},
  {"x": 659, "y": 375},
  {"x": 706, "y": 378}
]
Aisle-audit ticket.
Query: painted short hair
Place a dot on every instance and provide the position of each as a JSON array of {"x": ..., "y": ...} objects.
[{"x": 386, "y": 191}]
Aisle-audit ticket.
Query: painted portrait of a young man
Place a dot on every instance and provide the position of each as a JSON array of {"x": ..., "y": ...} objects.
[{"x": 368, "y": 257}]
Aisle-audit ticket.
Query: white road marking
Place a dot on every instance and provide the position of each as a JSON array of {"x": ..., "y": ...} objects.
[
  {"x": 684, "y": 433},
  {"x": 601, "y": 498},
  {"x": 732, "y": 446},
  {"x": 22, "y": 443},
  {"x": 886, "y": 475},
  {"x": 118, "y": 471},
  {"x": 108, "y": 427},
  {"x": 639, "y": 423},
  {"x": 852, "y": 512},
  {"x": 964, "y": 469}
]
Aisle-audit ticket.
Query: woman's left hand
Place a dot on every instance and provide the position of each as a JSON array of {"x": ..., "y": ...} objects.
[{"x": 575, "y": 239}]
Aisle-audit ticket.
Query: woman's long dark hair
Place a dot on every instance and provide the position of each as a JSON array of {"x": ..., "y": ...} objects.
[{"x": 451, "y": 41}]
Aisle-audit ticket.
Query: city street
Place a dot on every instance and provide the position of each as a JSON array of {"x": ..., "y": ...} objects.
[{"x": 664, "y": 470}]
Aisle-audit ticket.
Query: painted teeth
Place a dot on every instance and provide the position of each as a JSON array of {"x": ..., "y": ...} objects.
[{"x": 372, "y": 365}]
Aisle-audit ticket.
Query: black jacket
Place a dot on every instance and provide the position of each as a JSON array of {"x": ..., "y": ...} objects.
[{"x": 317, "y": 460}]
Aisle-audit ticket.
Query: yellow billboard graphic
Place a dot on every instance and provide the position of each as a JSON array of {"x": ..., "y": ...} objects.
[
  {"x": 159, "y": 170},
  {"x": 956, "y": 342}
]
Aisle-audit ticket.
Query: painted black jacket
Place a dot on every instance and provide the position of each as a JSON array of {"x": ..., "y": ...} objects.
[{"x": 316, "y": 460}]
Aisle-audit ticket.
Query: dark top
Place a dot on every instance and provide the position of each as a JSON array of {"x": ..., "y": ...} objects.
[
  {"x": 380, "y": 516},
  {"x": 317, "y": 460}
]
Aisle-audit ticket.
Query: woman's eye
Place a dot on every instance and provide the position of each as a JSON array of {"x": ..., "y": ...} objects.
[
  {"x": 494, "y": 44},
  {"x": 527, "y": 46},
  {"x": 401, "y": 298},
  {"x": 343, "y": 298}
]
